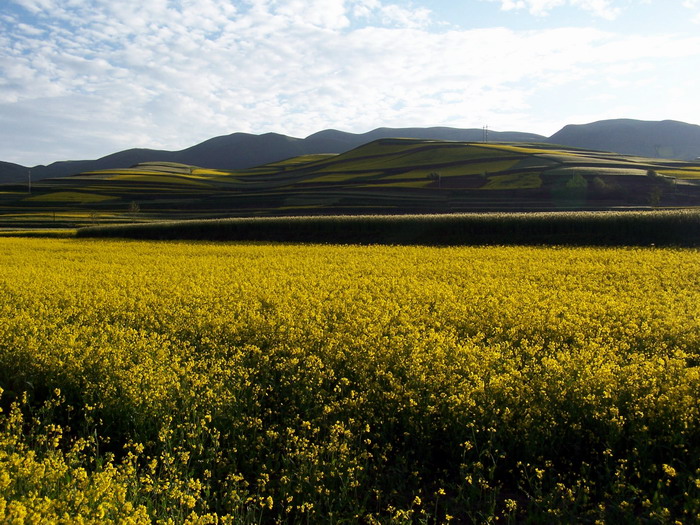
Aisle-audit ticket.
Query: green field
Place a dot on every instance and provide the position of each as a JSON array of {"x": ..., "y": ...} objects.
[{"x": 385, "y": 176}]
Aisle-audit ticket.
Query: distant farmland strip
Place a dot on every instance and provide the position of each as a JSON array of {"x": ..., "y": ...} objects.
[
  {"x": 69, "y": 196},
  {"x": 669, "y": 228}
]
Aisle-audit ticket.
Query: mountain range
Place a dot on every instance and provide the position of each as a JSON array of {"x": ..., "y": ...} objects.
[{"x": 655, "y": 139}]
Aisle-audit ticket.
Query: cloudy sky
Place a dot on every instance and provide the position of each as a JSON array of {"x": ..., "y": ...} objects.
[{"x": 84, "y": 78}]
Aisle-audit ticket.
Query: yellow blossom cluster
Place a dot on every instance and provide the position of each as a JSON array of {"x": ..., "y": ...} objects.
[{"x": 195, "y": 382}]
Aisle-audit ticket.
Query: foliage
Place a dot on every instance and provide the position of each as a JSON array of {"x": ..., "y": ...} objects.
[
  {"x": 570, "y": 192},
  {"x": 253, "y": 383},
  {"x": 605, "y": 189}
]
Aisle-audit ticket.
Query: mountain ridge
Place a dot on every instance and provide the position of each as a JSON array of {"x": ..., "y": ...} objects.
[
  {"x": 670, "y": 139},
  {"x": 655, "y": 139}
]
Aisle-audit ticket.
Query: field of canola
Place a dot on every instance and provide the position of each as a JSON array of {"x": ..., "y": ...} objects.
[{"x": 262, "y": 383}]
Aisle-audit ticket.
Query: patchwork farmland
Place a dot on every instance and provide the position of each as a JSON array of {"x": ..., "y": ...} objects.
[{"x": 388, "y": 176}]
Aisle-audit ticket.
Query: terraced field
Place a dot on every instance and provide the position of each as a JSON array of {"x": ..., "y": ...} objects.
[{"x": 385, "y": 176}]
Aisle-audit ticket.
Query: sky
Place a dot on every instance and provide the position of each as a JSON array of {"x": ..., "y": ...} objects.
[{"x": 80, "y": 79}]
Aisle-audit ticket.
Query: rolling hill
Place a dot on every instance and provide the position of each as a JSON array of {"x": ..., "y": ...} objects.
[
  {"x": 243, "y": 150},
  {"x": 667, "y": 139},
  {"x": 386, "y": 176}
]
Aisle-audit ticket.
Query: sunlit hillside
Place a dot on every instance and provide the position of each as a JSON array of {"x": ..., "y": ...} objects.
[{"x": 385, "y": 176}]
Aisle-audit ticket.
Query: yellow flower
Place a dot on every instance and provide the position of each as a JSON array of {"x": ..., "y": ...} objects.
[{"x": 669, "y": 470}]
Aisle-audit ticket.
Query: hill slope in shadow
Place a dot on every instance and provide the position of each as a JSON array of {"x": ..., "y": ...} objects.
[{"x": 667, "y": 139}]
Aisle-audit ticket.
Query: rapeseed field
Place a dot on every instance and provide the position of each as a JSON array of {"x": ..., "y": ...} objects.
[{"x": 193, "y": 382}]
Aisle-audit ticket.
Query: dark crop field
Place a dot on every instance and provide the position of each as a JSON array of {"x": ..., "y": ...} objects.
[{"x": 661, "y": 228}]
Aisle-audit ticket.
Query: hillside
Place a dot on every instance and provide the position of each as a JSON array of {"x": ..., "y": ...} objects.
[
  {"x": 10, "y": 173},
  {"x": 387, "y": 176},
  {"x": 244, "y": 150},
  {"x": 666, "y": 139}
]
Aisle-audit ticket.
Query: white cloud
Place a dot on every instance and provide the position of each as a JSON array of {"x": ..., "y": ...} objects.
[
  {"x": 390, "y": 14},
  {"x": 601, "y": 8},
  {"x": 35, "y": 6},
  {"x": 393, "y": 14},
  {"x": 94, "y": 77},
  {"x": 330, "y": 14},
  {"x": 695, "y": 6}
]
